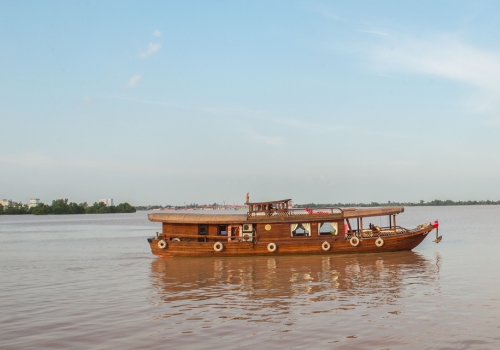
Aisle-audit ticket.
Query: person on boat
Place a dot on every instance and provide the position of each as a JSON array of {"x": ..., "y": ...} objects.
[
  {"x": 270, "y": 209},
  {"x": 375, "y": 229}
]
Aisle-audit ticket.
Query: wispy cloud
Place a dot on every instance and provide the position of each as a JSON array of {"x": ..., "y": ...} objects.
[
  {"x": 151, "y": 49},
  {"x": 157, "y": 33},
  {"x": 133, "y": 81},
  {"x": 444, "y": 57},
  {"x": 310, "y": 126},
  {"x": 375, "y": 32},
  {"x": 270, "y": 140}
]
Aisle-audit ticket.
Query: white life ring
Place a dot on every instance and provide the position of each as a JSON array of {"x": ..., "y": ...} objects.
[
  {"x": 272, "y": 247},
  {"x": 176, "y": 239},
  {"x": 326, "y": 246},
  {"x": 162, "y": 244},
  {"x": 218, "y": 246},
  {"x": 354, "y": 241},
  {"x": 379, "y": 242}
]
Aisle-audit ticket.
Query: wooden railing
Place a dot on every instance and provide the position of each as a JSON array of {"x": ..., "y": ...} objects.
[
  {"x": 384, "y": 232},
  {"x": 293, "y": 212},
  {"x": 171, "y": 237}
]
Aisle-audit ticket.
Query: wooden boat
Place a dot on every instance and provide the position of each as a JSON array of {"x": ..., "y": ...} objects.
[{"x": 275, "y": 228}]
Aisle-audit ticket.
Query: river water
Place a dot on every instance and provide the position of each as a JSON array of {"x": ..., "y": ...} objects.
[{"x": 90, "y": 282}]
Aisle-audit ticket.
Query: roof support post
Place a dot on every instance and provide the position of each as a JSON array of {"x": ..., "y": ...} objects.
[{"x": 349, "y": 225}]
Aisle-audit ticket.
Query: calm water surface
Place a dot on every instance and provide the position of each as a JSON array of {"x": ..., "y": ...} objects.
[{"x": 90, "y": 281}]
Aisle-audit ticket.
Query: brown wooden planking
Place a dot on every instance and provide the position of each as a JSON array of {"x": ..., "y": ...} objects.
[
  {"x": 277, "y": 231},
  {"x": 303, "y": 245},
  {"x": 186, "y": 227}
]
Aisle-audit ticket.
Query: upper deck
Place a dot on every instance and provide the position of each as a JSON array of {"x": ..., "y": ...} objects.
[{"x": 275, "y": 211}]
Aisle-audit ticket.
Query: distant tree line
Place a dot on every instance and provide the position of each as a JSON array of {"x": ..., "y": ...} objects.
[
  {"x": 61, "y": 206},
  {"x": 187, "y": 206},
  {"x": 421, "y": 203}
]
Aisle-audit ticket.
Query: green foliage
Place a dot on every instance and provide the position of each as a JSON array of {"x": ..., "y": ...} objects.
[
  {"x": 124, "y": 208},
  {"x": 74, "y": 208},
  {"x": 97, "y": 208},
  {"x": 16, "y": 209},
  {"x": 58, "y": 207},
  {"x": 101, "y": 208},
  {"x": 41, "y": 209},
  {"x": 61, "y": 206}
]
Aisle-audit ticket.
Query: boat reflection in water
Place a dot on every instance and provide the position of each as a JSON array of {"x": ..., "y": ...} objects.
[{"x": 260, "y": 289}]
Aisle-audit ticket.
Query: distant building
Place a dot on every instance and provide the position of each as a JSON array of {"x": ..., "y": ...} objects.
[
  {"x": 34, "y": 202},
  {"x": 6, "y": 202},
  {"x": 107, "y": 201}
]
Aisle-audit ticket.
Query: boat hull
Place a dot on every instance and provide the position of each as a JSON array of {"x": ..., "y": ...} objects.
[{"x": 310, "y": 245}]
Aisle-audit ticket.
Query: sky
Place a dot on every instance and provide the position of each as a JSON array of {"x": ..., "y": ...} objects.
[{"x": 173, "y": 102}]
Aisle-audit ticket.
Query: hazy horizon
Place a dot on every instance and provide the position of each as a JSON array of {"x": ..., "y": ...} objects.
[{"x": 196, "y": 102}]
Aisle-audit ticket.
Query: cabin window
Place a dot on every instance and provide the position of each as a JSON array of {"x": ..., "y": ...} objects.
[
  {"x": 328, "y": 228},
  {"x": 222, "y": 230},
  {"x": 202, "y": 231},
  {"x": 300, "y": 230}
]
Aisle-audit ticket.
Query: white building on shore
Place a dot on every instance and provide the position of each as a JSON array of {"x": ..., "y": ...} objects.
[
  {"x": 34, "y": 202},
  {"x": 107, "y": 201},
  {"x": 6, "y": 202}
]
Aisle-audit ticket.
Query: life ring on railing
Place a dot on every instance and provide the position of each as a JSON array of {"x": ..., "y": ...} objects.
[
  {"x": 379, "y": 242},
  {"x": 354, "y": 241},
  {"x": 218, "y": 246},
  {"x": 176, "y": 239},
  {"x": 326, "y": 246},
  {"x": 272, "y": 247},
  {"x": 162, "y": 244}
]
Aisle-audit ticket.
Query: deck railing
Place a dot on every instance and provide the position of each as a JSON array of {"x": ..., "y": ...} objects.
[
  {"x": 384, "y": 232},
  {"x": 293, "y": 212}
]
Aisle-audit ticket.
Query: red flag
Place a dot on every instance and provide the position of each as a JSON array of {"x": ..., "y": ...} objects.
[
  {"x": 435, "y": 224},
  {"x": 248, "y": 197}
]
